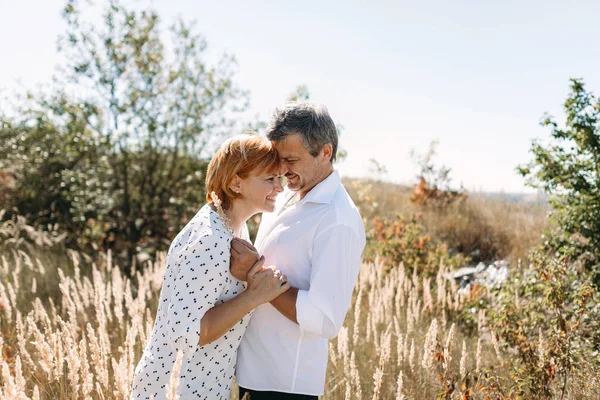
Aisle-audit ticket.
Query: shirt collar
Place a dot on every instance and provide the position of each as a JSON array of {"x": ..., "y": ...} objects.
[{"x": 324, "y": 191}]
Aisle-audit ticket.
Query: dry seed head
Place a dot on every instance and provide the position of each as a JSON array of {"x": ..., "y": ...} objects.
[
  {"x": 448, "y": 346},
  {"x": 481, "y": 321},
  {"x": 400, "y": 347},
  {"x": 463, "y": 360},
  {"x": 400, "y": 387},
  {"x": 173, "y": 385},
  {"x": 412, "y": 357},
  {"x": 478, "y": 356},
  {"x": 36, "y": 393},
  {"x": 429, "y": 346},
  {"x": 378, "y": 379},
  {"x": 496, "y": 345},
  {"x": 357, "y": 305},
  {"x": 348, "y": 392},
  {"x": 541, "y": 351},
  {"x": 332, "y": 355}
]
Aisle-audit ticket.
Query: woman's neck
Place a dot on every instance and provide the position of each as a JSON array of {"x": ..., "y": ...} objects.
[{"x": 238, "y": 214}]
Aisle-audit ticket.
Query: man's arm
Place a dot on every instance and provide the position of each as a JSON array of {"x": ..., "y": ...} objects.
[
  {"x": 335, "y": 261},
  {"x": 285, "y": 303}
]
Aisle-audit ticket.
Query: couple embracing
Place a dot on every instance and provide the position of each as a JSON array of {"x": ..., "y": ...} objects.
[{"x": 261, "y": 313}]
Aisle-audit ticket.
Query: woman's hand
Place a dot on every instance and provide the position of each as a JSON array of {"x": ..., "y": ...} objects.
[{"x": 265, "y": 284}]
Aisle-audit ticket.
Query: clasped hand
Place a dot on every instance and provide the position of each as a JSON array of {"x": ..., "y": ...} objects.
[{"x": 246, "y": 265}]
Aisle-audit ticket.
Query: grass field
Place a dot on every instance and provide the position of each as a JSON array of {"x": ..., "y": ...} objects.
[{"x": 74, "y": 327}]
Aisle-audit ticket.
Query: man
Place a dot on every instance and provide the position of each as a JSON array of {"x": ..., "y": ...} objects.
[{"x": 315, "y": 237}]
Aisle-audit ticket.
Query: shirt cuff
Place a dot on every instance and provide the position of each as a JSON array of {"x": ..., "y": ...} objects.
[{"x": 309, "y": 317}]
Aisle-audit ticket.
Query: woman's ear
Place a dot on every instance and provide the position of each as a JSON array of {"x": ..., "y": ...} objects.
[{"x": 236, "y": 184}]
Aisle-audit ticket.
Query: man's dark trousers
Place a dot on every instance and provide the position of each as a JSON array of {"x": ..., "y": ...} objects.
[{"x": 260, "y": 395}]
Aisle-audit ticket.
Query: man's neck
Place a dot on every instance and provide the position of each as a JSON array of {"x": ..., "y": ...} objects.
[{"x": 322, "y": 176}]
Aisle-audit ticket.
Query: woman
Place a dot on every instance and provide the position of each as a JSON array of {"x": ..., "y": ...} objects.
[{"x": 203, "y": 310}]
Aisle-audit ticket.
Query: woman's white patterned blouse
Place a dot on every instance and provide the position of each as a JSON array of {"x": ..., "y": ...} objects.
[{"x": 196, "y": 279}]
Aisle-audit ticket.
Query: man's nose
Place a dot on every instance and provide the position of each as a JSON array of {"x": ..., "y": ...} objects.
[{"x": 283, "y": 169}]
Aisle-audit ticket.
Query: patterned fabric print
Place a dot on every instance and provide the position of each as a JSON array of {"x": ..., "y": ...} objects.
[{"x": 196, "y": 279}]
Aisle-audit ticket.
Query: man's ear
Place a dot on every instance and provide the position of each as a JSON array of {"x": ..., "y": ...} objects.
[
  {"x": 236, "y": 184},
  {"x": 327, "y": 152}
]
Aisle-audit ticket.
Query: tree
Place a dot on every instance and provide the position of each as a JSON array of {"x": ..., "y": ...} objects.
[
  {"x": 568, "y": 170},
  {"x": 117, "y": 151}
]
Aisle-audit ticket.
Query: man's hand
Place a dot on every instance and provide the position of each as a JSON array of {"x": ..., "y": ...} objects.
[{"x": 243, "y": 257}]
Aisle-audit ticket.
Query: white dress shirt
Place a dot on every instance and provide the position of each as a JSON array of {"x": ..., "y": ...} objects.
[{"x": 317, "y": 242}]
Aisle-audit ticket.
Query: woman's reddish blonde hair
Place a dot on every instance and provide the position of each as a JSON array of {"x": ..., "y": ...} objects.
[{"x": 242, "y": 155}]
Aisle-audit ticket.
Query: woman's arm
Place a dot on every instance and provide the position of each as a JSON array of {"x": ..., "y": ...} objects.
[
  {"x": 221, "y": 318},
  {"x": 263, "y": 286},
  {"x": 196, "y": 290}
]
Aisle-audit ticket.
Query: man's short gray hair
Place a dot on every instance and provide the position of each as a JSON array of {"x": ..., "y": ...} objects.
[{"x": 312, "y": 122}]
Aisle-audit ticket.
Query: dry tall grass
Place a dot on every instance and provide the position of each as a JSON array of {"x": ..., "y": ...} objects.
[
  {"x": 82, "y": 342},
  {"x": 75, "y": 330},
  {"x": 400, "y": 340}
]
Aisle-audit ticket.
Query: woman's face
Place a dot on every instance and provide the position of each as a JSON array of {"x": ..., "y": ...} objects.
[{"x": 260, "y": 191}]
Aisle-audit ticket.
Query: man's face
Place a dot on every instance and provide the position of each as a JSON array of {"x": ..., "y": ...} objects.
[{"x": 301, "y": 169}]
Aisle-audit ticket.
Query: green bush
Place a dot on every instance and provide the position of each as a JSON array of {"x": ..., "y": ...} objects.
[
  {"x": 567, "y": 168},
  {"x": 549, "y": 317},
  {"x": 403, "y": 240}
]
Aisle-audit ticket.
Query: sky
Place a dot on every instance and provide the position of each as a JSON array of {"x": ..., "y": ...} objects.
[{"x": 476, "y": 76}]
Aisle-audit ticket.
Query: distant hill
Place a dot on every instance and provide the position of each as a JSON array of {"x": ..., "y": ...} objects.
[
  {"x": 539, "y": 198},
  {"x": 405, "y": 189}
]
